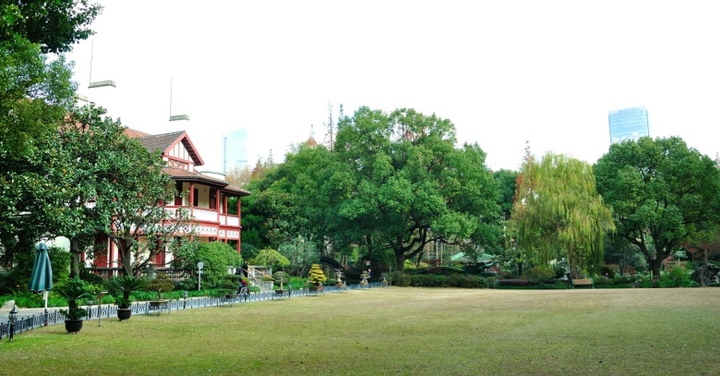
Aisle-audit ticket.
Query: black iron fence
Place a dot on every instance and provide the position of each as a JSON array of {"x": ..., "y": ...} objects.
[{"x": 98, "y": 312}]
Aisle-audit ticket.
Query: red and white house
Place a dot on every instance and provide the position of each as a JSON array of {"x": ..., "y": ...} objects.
[{"x": 206, "y": 199}]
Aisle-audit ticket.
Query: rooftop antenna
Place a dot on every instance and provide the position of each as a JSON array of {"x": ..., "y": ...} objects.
[
  {"x": 94, "y": 84},
  {"x": 175, "y": 117}
]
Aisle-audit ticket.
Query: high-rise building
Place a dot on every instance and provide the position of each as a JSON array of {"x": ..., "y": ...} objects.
[
  {"x": 235, "y": 149},
  {"x": 628, "y": 124}
]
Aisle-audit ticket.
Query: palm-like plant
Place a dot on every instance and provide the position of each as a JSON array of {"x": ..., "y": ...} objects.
[
  {"x": 124, "y": 286},
  {"x": 73, "y": 290}
]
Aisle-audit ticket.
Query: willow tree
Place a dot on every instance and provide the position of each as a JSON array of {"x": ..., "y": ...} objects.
[{"x": 558, "y": 212}]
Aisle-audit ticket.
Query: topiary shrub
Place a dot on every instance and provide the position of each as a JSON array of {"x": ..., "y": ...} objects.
[{"x": 316, "y": 276}]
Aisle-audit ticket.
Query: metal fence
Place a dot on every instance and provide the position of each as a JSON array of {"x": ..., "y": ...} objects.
[{"x": 98, "y": 312}]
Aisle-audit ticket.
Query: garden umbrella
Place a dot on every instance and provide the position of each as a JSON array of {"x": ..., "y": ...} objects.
[{"x": 41, "y": 279}]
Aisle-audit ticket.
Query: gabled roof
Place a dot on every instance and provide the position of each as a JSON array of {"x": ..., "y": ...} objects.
[
  {"x": 165, "y": 143},
  {"x": 134, "y": 133},
  {"x": 179, "y": 174}
]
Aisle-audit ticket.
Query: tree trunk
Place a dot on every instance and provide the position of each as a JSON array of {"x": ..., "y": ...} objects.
[
  {"x": 400, "y": 260},
  {"x": 74, "y": 258},
  {"x": 655, "y": 265},
  {"x": 127, "y": 268}
]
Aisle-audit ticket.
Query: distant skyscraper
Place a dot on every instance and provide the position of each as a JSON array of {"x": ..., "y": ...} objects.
[
  {"x": 235, "y": 149},
  {"x": 628, "y": 124}
]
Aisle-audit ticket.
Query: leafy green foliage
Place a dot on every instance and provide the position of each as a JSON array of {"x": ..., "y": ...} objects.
[
  {"x": 35, "y": 95},
  {"x": 316, "y": 276},
  {"x": 507, "y": 185},
  {"x": 216, "y": 257},
  {"x": 281, "y": 279},
  {"x": 271, "y": 258},
  {"x": 392, "y": 184},
  {"x": 73, "y": 290},
  {"x": 661, "y": 191},
  {"x": 161, "y": 283},
  {"x": 401, "y": 184},
  {"x": 54, "y": 25},
  {"x": 122, "y": 288},
  {"x": 301, "y": 254},
  {"x": 677, "y": 276},
  {"x": 559, "y": 213}
]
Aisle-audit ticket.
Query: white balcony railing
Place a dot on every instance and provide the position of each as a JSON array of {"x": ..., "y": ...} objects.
[
  {"x": 205, "y": 215},
  {"x": 230, "y": 220}
]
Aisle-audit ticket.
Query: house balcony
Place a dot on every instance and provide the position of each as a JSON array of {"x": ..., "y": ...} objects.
[{"x": 210, "y": 222}]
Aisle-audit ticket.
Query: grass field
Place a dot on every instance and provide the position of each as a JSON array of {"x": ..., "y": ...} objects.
[{"x": 398, "y": 331}]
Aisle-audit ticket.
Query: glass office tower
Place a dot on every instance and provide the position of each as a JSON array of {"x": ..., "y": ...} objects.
[
  {"x": 628, "y": 124},
  {"x": 235, "y": 149}
]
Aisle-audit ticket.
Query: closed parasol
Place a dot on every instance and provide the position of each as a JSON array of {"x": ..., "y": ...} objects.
[{"x": 41, "y": 278}]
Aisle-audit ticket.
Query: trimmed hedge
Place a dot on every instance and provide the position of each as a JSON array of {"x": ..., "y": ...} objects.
[{"x": 434, "y": 280}]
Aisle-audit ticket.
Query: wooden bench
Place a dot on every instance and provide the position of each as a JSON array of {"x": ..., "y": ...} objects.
[{"x": 583, "y": 282}]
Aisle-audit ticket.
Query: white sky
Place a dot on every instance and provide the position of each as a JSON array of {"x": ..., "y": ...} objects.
[{"x": 504, "y": 72}]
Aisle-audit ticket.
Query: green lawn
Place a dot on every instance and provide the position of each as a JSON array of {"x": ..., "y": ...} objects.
[{"x": 399, "y": 331}]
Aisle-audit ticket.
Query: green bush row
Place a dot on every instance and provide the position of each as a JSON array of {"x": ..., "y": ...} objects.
[{"x": 432, "y": 280}]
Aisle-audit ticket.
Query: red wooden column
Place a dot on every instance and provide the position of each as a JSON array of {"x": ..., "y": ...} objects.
[{"x": 239, "y": 224}]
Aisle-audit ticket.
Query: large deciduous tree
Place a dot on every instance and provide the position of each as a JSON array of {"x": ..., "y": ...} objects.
[
  {"x": 559, "y": 213},
  {"x": 660, "y": 191},
  {"x": 54, "y": 25},
  {"x": 405, "y": 185},
  {"x": 35, "y": 95}
]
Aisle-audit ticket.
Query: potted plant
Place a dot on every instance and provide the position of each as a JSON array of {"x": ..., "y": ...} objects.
[
  {"x": 122, "y": 287},
  {"x": 159, "y": 284},
  {"x": 364, "y": 279},
  {"x": 282, "y": 277},
  {"x": 339, "y": 279},
  {"x": 73, "y": 290},
  {"x": 316, "y": 277}
]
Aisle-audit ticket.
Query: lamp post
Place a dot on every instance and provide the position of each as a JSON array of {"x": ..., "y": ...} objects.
[
  {"x": 13, "y": 318},
  {"x": 200, "y": 268}
]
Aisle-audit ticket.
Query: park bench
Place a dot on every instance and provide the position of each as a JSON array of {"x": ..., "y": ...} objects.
[
  {"x": 158, "y": 306},
  {"x": 583, "y": 282}
]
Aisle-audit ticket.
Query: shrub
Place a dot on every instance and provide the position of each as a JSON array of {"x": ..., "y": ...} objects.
[
  {"x": 398, "y": 279},
  {"x": 230, "y": 282},
  {"x": 296, "y": 283},
  {"x": 216, "y": 257},
  {"x": 161, "y": 283},
  {"x": 676, "y": 277},
  {"x": 540, "y": 273},
  {"x": 271, "y": 258},
  {"x": 316, "y": 275},
  {"x": 87, "y": 276}
]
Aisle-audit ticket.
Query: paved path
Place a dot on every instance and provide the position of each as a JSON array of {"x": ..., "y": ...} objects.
[{"x": 22, "y": 312}]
